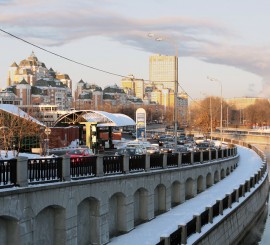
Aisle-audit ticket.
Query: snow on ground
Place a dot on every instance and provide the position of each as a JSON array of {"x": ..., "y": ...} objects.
[
  {"x": 163, "y": 225},
  {"x": 29, "y": 155}
]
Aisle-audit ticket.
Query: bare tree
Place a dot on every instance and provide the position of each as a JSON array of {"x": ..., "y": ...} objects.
[
  {"x": 258, "y": 113},
  {"x": 205, "y": 111},
  {"x": 17, "y": 130}
]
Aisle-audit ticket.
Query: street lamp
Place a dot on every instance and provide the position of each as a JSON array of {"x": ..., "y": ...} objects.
[
  {"x": 171, "y": 41},
  {"x": 221, "y": 110},
  {"x": 47, "y": 131}
]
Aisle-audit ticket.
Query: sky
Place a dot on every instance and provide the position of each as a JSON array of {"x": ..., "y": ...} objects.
[{"x": 108, "y": 40}]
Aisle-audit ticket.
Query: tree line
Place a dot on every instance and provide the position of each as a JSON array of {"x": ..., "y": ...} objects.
[{"x": 207, "y": 112}]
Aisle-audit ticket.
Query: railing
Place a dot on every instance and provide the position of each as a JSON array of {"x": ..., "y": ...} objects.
[
  {"x": 186, "y": 158},
  {"x": 136, "y": 163},
  {"x": 44, "y": 169},
  {"x": 175, "y": 237},
  {"x": 112, "y": 164},
  {"x": 172, "y": 160},
  {"x": 181, "y": 235},
  {"x": 197, "y": 156},
  {"x": 51, "y": 169},
  {"x": 83, "y": 167},
  {"x": 205, "y": 217},
  {"x": 8, "y": 174},
  {"x": 156, "y": 161}
]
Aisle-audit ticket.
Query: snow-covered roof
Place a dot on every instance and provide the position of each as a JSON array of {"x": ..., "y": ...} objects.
[
  {"x": 15, "y": 110},
  {"x": 117, "y": 119},
  {"x": 102, "y": 118}
]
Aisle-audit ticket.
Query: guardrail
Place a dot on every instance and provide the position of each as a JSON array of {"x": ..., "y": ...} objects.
[
  {"x": 64, "y": 168},
  {"x": 184, "y": 231}
]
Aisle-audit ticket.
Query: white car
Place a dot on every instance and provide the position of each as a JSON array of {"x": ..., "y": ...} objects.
[{"x": 152, "y": 149}]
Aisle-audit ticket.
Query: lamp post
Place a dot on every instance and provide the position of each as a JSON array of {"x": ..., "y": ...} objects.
[
  {"x": 47, "y": 131},
  {"x": 221, "y": 109},
  {"x": 171, "y": 41}
]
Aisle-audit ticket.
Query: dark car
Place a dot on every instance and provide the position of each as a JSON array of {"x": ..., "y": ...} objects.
[
  {"x": 128, "y": 151},
  {"x": 181, "y": 140},
  {"x": 164, "y": 139},
  {"x": 205, "y": 145}
]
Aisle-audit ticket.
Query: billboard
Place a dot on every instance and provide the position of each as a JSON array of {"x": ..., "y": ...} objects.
[{"x": 140, "y": 124}]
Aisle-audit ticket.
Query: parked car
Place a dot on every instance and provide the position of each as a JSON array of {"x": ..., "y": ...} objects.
[
  {"x": 152, "y": 149},
  {"x": 129, "y": 151},
  {"x": 163, "y": 139},
  {"x": 169, "y": 148},
  {"x": 181, "y": 140},
  {"x": 80, "y": 152},
  {"x": 181, "y": 148},
  {"x": 205, "y": 145}
]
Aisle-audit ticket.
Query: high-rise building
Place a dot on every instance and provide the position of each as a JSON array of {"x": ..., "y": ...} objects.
[
  {"x": 29, "y": 69},
  {"x": 133, "y": 86},
  {"x": 163, "y": 71}
]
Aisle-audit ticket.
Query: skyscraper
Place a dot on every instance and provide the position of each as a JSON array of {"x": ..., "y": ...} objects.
[{"x": 163, "y": 71}]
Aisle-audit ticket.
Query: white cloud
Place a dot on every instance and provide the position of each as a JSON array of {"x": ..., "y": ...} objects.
[{"x": 56, "y": 23}]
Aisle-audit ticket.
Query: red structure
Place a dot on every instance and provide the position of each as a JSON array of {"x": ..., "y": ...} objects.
[{"x": 63, "y": 136}]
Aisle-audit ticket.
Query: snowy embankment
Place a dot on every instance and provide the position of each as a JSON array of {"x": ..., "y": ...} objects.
[{"x": 163, "y": 225}]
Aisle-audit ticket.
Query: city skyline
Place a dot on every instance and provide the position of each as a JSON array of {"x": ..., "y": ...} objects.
[{"x": 227, "y": 41}]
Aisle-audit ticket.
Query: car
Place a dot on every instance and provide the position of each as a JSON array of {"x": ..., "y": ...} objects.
[
  {"x": 80, "y": 152},
  {"x": 181, "y": 148},
  {"x": 168, "y": 148},
  {"x": 131, "y": 151},
  {"x": 152, "y": 149},
  {"x": 205, "y": 145},
  {"x": 163, "y": 139},
  {"x": 181, "y": 140}
]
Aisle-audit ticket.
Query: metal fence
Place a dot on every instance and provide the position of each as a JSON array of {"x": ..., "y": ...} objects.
[
  {"x": 8, "y": 173},
  {"x": 44, "y": 170}
]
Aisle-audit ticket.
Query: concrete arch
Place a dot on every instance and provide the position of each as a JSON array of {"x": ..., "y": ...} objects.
[
  {"x": 216, "y": 177},
  {"x": 140, "y": 206},
  {"x": 50, "y": 227},
  {"x": 222, "y": 174},
  {"x": 209, "y": 181},
  {"x": 189, "y": 188},
  {"x": 159, "y": 199},
  {"x": 9, "y": 230},
  {"x": 117, "y": 214},
  {"x": 175, "y": 193},
  {"x": 56, "y": 199},
  {"x": 87, "y": 221},
  {"x": 200, "y": 184},
  {"x": 227, "y": 171}
]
